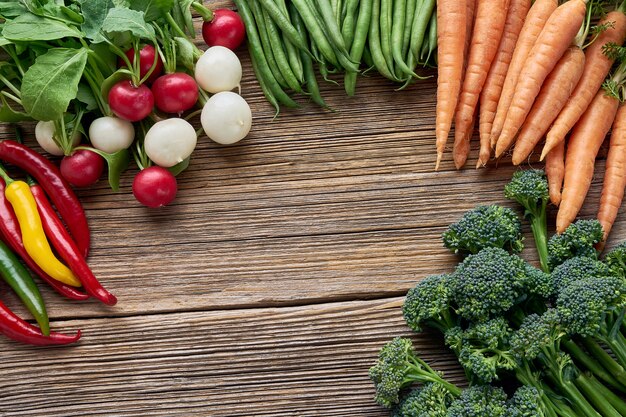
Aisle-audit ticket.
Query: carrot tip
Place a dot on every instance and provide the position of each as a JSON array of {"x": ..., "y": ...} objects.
[{"x": 439, "y": 156}]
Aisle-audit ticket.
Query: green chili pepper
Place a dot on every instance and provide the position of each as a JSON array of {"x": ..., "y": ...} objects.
[{"x": 17, "y": 276}]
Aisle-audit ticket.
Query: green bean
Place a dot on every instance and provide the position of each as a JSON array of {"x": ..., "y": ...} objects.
[
  {"x": 358, "y": 45},
  {"x": 375, "y": 49},
  {"x": 420, "y": 26},
  {"x": 348, "y": 24},
  {"x": 283, "y": 23},
  {"x": 432, "y": 38},
  {"x": 257, "y": 11},
  {"x": 317, "y": 32},
  {"x": 279, "y": 53},
  {"x": 269, "y": 96},
  {"x": 411, "y": 8},
  {"x": 367, "y": 58},
  {"x": 399, "y": 15},
  {"x": 256, "y": 51},
  {"x": 385, "y": 33},
  {"x": 293, "y": 54},
  {"x": 336, "y": 6},
  {"x": 334, "y": 33}
]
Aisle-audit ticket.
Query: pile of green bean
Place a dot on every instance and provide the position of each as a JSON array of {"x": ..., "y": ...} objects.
[{"x": 289, "y": 40}]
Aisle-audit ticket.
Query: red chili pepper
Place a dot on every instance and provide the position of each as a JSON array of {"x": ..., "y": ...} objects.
[
  {"x": 11, "y": 234},
  {"x": 17, "y": 329},
  {"x": 49, "y": 176},
  {"x": 67, "y": 249}
]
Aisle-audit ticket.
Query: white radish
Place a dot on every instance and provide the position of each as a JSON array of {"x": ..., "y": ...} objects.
[
  {"x": 218, "y": 69},
  {"x": 170, "y": 141},
  {"x": 111, "y": 134},
  {"x": 226, "y": 118},
  {"x": 44, "y": 134}
]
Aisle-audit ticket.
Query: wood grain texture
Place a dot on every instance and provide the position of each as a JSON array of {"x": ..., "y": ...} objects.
[{"x": 269, "y": 285}]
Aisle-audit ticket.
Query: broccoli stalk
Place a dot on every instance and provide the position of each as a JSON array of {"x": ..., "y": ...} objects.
[{"x": 529, "y": 188}]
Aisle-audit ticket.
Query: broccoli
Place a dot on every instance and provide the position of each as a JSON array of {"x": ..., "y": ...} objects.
[
  {"x": 428, "y": 304},
  {"x": 485, "y": 227},
  {"x": 431, "y": 400},
  {"x": 398, "y": 367},
  {"x": 579, "y": 239},
  {"x": 480, "y": 401},
  {"x": 526, "y": 402},
  {"x": 529, "y": 188},
  {"x": 579, "y": 267},
  {"x": 488, "y": 283},
  {"x": 616, "y": 260}
]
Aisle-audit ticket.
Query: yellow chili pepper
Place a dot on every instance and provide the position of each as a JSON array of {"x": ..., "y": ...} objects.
[{"x": 19, "y": 195}]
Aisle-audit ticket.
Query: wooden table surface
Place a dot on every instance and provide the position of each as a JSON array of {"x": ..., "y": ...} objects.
[{"x": 270, "y": 284}]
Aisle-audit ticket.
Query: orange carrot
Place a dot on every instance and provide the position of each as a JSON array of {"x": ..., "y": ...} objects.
[
  {"x": 469, "y": 28},
  {"x": 554, "y": 94},
  {"x": 518, "y": 9},
  {"x": 536, "y": 19},
  {"x": 615, "y": 174},
  {"x": 597, "y": 67},
  {"x": 582, "y": 149},
  {"x": 557, "y": 35},
  {"x": 555, "y": 171},
  {"x": 488, "y": 29},
  {"x": 451, "y": 15}
]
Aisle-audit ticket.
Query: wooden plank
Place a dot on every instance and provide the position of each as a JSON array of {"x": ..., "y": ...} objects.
[{"x": 300, "y": 361}]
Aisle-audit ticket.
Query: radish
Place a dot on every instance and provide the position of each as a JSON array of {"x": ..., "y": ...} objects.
[
  {"x": 218, "y": 69},
  {"x": 170, "y": 141},
  {"x": 225, "y": 29},
  {"x": 175, "y": 93},
  {"x": 44, "y": 134},
  {"x": 82, "y": 168},
  {"x": 146, "y": 60},
  {"x": 129, "y": 102},
  {"x": 155, "y": 187},
  {"x": 226, "y": 118},
  {"x": 111, "y": 134}
]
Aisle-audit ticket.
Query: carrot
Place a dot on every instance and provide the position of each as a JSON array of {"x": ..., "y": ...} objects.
[
  {"x": 555, "y": 171},
  {"x": 451, "y": 15},
  {"x": 557, "y": 35},
  {"x": 615, "y": 174},
  {"x": 488, "y": 29},
  {"x": 582, "y": 149},
  {"x": 536, "y": 19},
  {"x": 469, "y": 28},
  {"x": 518, "y": 9},
  {"x": 554, "y": 94},
  {"x": 597, "y": 67}
]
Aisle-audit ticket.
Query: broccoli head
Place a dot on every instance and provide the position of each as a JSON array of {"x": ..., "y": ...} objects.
[
  {"x": 579, "y": 239},
  {"x": 480, "y": 401},
  {"x": 431, "y": 400},
  {"x": 485, "y": 227},
  {"x": 529, "y": 188},
  {"x": 526, "y": 402},
  {"x": 538, "y": 334},
  {"x": 616, "y": 260},
  {"x": 428, "y": 304},
  {"x": 579, "y": 267},
  {"x": 488, "y": 283},
  {"x": 397, "y": 368}
]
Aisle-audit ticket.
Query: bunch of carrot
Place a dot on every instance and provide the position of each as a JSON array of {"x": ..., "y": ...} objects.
[{"x": 529, "y": 72}]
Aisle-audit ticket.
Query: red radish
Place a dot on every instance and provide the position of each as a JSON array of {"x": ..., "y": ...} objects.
[
  {"x": 146, "y": 60},
  {"x": 129, "y": 102},
  {"x": 155, "y": 187},
  {"x": 225, "y": 29},
  {"x": 83, "y": 168},
  {"x": 175, "y": 93}
]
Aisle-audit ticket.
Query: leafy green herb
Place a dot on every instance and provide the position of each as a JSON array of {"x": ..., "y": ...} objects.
[
  {"x": 152, "y": 9},
  {"x": 94, "y": 13},
  {"x": 119, "y": 23},
  {"x": 28, "y": 27}
]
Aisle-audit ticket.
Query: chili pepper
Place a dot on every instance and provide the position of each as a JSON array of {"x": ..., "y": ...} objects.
[
  {"x": 19, "y": 195},
  {"x": 12, "y": 236},
  {"x": 17, "y": 329},
  {"x": 17, "y": 276},
  {"x": 49, "y": 176},
  {"x": 67, "y": 249}
]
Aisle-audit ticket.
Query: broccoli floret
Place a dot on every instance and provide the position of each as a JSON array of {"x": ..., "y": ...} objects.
[
  {"x": 485, "y": 227},
  {"x": 398, "y": 367},
  {"x": 539, "y": 283},
  {"x": 579, "y": 239},
  {"x": 479, "y": 401},
  {"x": 431, "y": 400},
  {"x": 530, "y": 189},
  {"x": 488, "y": 283},
  {"x": 579, "y": 267},
  {"x": 616, "y": 260},
  {"x": 428, "y": 304},
  {"x": 526, "y": 402},
  {"x": 538, "y": 334}
]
